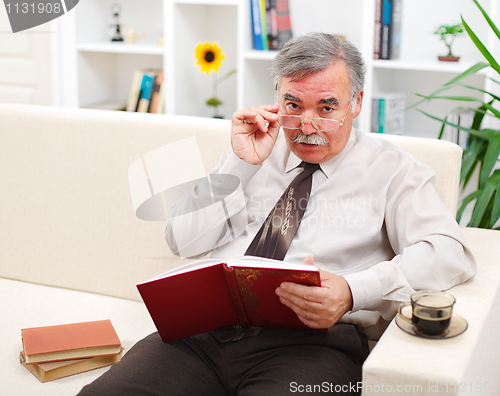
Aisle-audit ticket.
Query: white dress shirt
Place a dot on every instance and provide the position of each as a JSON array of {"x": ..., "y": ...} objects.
[{"x": 374, "y": 217}]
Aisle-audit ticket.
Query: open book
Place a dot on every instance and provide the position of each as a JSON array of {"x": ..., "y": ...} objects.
[{"x": 207, "y": 295}]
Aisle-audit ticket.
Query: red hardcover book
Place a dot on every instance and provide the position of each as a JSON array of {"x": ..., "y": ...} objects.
[
  {"x": 284, "y": 22},
  {"x": 70, "y": 341},
  {"x": 209, "y": 294}
]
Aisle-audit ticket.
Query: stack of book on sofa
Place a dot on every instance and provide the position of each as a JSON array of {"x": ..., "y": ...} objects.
[{"x": 53, "y": 352}]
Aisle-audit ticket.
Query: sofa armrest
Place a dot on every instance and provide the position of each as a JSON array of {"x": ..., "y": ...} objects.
[{"x": 468, "y": 363}]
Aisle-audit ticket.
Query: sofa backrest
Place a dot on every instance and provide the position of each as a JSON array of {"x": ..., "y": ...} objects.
[
  {"x": 66, "y": 215},
  {"x": 444, "y": 157}
]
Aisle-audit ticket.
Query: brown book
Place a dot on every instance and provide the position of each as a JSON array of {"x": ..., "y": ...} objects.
[
  {"x": 70, "y": 341},
  {"x": 64, "y": 368},
  {"x": 155, "y": 96}
]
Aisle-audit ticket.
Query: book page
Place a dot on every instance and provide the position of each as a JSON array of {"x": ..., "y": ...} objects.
[
  {"x": 261, "y": 262},
  {"x": 187, "y": 268},
  {"x": 243, "y": 261}
]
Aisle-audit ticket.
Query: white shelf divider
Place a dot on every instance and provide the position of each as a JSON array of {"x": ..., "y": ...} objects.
[{"x": 122, "y": 48}]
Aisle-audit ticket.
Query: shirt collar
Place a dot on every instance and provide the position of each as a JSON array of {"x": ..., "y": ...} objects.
[{"x": 327, "y": 167}]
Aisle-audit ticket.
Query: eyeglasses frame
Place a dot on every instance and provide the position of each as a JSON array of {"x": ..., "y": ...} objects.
[{"x": 311, "y": 120}]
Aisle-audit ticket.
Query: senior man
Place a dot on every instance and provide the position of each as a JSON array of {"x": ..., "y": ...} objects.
[{"x": 368, "y": 217}]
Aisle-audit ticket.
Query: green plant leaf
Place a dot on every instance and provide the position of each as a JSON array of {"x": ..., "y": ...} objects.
[
  {"x": 470, "y": 71},
  {"x": 488, "y": 19},
  {"x": 441, "y": 131},
  {"x": 492, "y": 79},
  {"x": 226, "y": 76},
  {"x": 487, "y": 106},
  {"x": 214, "y": 102},
  {"x": 465, "y": 202},
  {"x": 495, "y": 214},
  {"x": 481, "y": 214},
  {"x": 479, "y": 116},
  {"x": 480, "y": 46},
  {"x": 458, "y": 98},
  {"x": 470, "y": 159},
  {"x": 479, "y": 90},
  {"x": 490, "y": 159},
  {"x": 495, "y": 112},
  {"x": 482, "y": 202},
  {"x": 426, "y": 97},
  {"x": 474, "y": 132}
]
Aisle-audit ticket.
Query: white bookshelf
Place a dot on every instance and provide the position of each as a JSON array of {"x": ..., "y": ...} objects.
[{"x": 103, "y": 70}]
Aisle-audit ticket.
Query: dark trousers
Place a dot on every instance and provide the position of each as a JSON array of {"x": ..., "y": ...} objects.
[{"x": 274, "y": 362}]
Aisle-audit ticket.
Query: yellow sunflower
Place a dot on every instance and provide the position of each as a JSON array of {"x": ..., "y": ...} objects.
[{"x": 209, "y": 57}]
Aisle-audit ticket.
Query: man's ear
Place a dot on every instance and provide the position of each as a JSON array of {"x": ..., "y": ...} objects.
[{"x": 359, "y": 103}]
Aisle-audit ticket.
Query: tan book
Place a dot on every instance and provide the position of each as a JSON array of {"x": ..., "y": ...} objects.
[
  {"x": 54, "y": 370},
  {"x": 135, "y": 91},
  {"x": 70, "y": 341}
]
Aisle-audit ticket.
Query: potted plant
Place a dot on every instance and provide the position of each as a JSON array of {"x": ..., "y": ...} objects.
[
  {"x": 484, "y": 143},
  {"x": 448, "y": 33}
]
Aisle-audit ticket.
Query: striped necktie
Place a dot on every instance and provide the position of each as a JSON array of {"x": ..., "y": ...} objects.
[{"x": 277, "y": 232}]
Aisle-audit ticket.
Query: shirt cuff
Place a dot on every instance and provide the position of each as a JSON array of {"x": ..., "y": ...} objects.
[
  {"x": 366, "y": 290},
  {"x": 234, "y": 165}
]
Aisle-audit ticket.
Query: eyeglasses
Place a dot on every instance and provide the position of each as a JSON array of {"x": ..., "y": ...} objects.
[{"x": 321, "y": 124}]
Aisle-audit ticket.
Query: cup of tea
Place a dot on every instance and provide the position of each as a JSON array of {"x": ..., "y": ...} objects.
[{"x": 431, "y": 311}]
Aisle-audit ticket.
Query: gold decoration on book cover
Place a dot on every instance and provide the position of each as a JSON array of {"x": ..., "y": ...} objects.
[{"x": 245, "y": 278}]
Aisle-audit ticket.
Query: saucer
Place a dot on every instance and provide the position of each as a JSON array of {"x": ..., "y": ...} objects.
[{"x": 457, "y": 326}]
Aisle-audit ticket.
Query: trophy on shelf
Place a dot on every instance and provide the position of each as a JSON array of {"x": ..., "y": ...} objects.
[{"x": 116, "y": 24}]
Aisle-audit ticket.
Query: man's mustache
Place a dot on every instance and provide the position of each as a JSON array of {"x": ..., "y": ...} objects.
[{"x": 313, "y": 138}]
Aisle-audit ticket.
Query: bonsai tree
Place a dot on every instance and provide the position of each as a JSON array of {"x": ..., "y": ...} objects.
[{"x": 448, "y": 33}]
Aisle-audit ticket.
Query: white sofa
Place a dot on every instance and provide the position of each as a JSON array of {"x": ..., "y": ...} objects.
[{"x": 71, "y": 248}]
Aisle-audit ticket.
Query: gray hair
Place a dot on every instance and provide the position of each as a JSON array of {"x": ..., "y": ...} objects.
[{"x": 314, "y": 52}]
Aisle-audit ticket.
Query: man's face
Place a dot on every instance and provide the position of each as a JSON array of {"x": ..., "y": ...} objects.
[{"x": 324, "y": 94}]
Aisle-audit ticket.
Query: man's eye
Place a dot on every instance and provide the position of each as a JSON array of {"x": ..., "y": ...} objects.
[
  {"x": 293, "y": 107},
  {"x": 328, "y": 109}
]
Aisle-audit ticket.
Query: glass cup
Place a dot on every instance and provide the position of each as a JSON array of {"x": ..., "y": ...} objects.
[{"x": 431, "y": 311}]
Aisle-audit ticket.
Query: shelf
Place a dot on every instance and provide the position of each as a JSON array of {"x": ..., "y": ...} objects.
[
  {"x": 208, "y": 2},
  {"x": 260, "y": 55},
  {"x": 122, "y": 48},
  {"x": 445, "y": 67}
]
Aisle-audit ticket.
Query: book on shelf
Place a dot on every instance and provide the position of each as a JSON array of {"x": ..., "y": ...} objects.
[
  {"x": 146, "y": 83},
  {"x": 69, "y": 341},
  {"x": 211, "y": 294},
  {"x": 388, "y": 110},
  {"x": 263, "y": 20},
  {"x": 259, "y": 39},
  {"x": 462, "y": 118},
  {"x": 59, "y": 369},
  {"x": 155, "y": 95},
  {"x": 395, "y": 29},
  {"x": 135, "y": 91},
  {"x": 378, "y": 29},
  {"x": 271, "y": 24},
  {"x": 387, "y": 40},
  {"x": 284, "y": 22}
]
